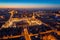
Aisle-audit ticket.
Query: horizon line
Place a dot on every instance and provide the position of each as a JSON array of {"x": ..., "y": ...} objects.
[{"x": 24, "y": 5}]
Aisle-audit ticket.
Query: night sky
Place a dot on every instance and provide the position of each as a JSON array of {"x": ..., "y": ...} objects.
[{"x": 30, "y": 2}]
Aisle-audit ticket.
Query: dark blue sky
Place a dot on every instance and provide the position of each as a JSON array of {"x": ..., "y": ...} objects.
[{"x": 31, "y": 1}]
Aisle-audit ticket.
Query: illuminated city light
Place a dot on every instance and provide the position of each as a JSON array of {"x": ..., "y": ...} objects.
[{"x": 29, "y": 22}]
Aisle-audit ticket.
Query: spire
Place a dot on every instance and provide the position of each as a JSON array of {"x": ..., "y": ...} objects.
[{"x": 33, "y": 16}]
